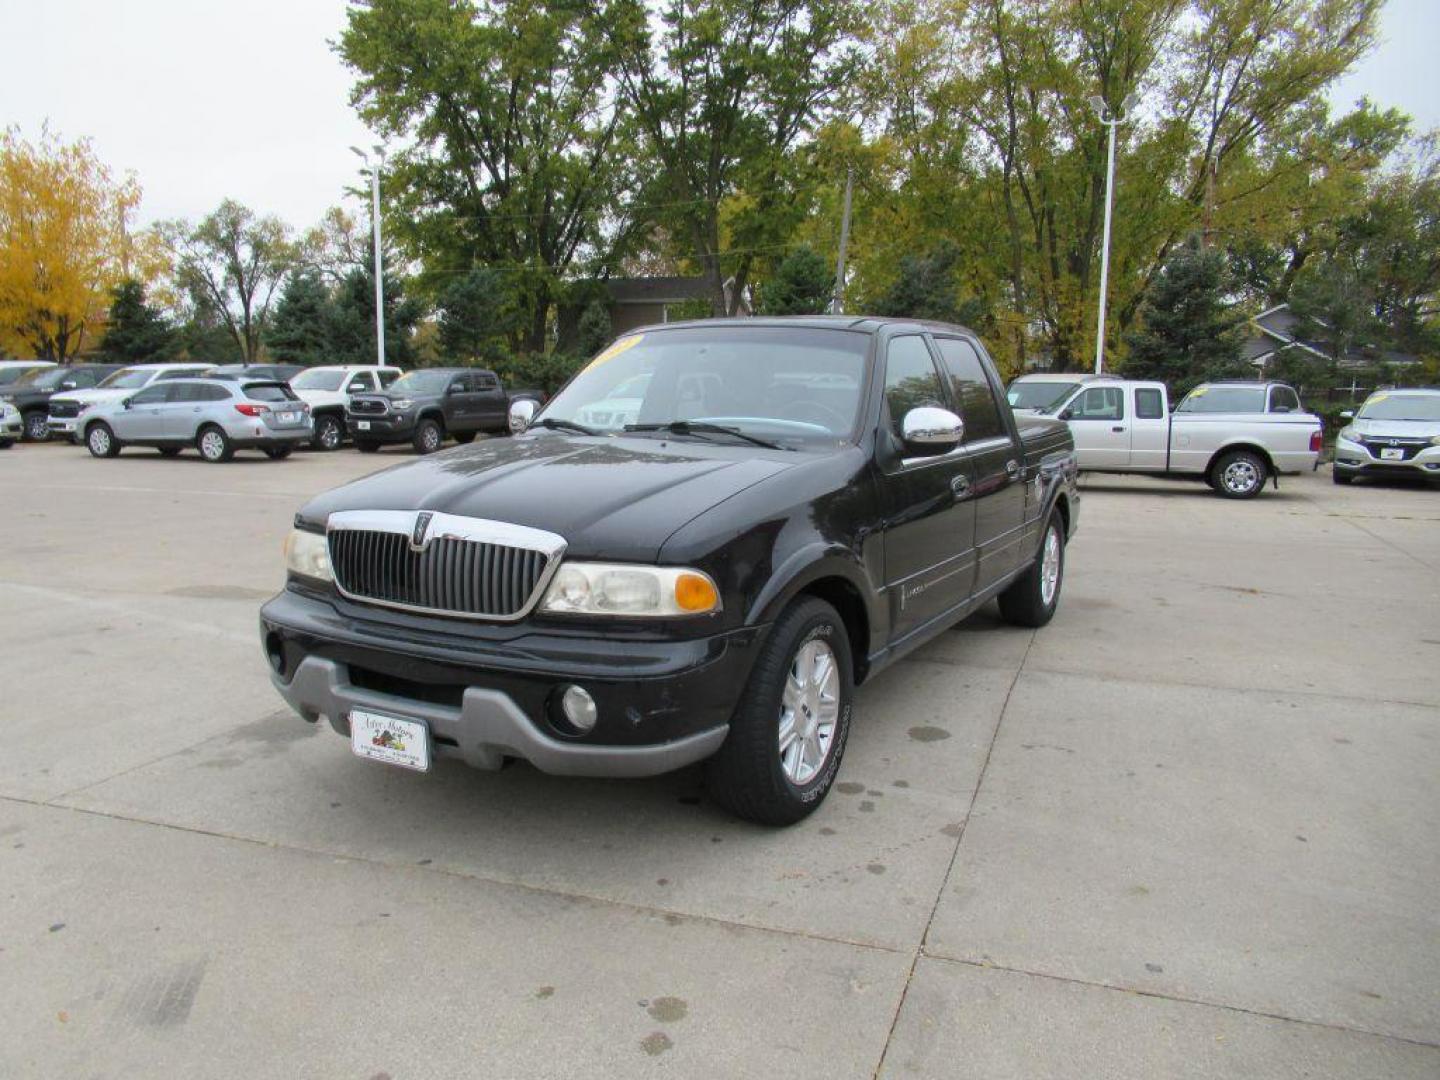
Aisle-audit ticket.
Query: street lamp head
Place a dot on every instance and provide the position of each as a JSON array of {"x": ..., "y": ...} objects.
[
  {"x": 360, "y": 154},
  {"x": 1098, "y": 104},
  {"x": 1127, "y": 106}
]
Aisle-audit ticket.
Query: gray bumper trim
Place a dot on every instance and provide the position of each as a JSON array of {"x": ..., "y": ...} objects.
[{"x": 487, "y": 727}]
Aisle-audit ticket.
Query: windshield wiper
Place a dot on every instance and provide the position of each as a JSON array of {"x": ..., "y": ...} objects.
[
  {"x": 556, "y": 424},
  {"x": 699, "y": 427}
]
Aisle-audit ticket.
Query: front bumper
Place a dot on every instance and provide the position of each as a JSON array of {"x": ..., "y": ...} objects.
[
  {"x": 391, "y": 427},
  {"x": 64, "y": 425},
  {"x": 490, "y": 693},
  {"x": 1356, "y": 459}
]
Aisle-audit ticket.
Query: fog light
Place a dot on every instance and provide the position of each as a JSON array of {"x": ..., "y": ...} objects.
[{"x": 579, "y": 708}]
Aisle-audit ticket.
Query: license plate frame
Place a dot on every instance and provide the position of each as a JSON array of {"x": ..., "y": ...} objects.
[
  {"x": 401, "y": 741},
  {"x": 1392, "y": 453},
  {"x": 362, "y": 425},
  {"x": 289, "y": 417}
]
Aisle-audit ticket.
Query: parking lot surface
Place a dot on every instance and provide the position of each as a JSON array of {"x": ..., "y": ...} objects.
[{"x": 1190, "y": 829}]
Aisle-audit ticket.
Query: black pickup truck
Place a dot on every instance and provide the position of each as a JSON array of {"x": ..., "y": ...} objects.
[
  {"x": 427, "y": 406},
  {"x": 784, "y": 507}
]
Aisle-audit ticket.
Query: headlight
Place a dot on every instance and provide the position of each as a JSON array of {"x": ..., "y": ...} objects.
[
  {"x": 402, "y": 403},
  {"x": 1435, "y": 441},
  {"x": 85, "y": 405},
  {"x": 1348, "y": 433},
  {"x": 307, "y": 554},
  {"x": 625, "y": 589}
]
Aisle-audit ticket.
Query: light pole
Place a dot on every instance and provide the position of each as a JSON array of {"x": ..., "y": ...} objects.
[
  {"x": 374, "y": 172},
  {"x": 1111, "y": 121}
]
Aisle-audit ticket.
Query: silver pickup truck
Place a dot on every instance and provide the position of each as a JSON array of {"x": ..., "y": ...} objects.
[{"x": 1233, "y": 435}]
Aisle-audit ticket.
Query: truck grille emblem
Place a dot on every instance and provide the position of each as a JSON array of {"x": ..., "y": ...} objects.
[{"x": 422, "y": 523}]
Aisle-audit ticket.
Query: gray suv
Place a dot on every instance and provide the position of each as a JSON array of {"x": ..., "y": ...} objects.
[{"x": 215, "y": 416}]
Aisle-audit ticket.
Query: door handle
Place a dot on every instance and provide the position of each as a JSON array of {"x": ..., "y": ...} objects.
[
  {"x": 1118, "y": 427},
  {"x": 960, "y": 486}
]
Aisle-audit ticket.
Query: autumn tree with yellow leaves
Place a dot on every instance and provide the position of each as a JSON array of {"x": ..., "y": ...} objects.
[{"x": 63, "y": 223}]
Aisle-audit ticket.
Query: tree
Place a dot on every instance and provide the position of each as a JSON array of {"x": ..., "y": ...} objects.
[
  {"x": 352, "y": 336},
  {"x": 723, "y": 91},
  {"x": 803, "y": 284},
  {"x": 237, "y": 261},
  {"x": 516, "y": 152},
  {"x": 477, "y": 313},
  {"x": 302, "y": 328},
  {"x": 1188, "y": 331},
  {"x": 594, "y": 329},
  {"x": 137, "y": 331},
  {"x": 929, "y": 288},
  {"x": 62, "y": 243}
]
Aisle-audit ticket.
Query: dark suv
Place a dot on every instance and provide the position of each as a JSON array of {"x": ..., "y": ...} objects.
[
  {"x": 427, "y": 406},
  {"x": 31, "y": 392},
  {"x": 790, "y": 505}
]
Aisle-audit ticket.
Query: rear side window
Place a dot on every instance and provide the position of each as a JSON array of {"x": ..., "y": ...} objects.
[
  {"x": 971, "y": 389},
  {"x": 911, "y": 380},
  {"x": 1149, "y": 404},
  {"x": 1224, "y": 399},
  {"x": 1283, "y": 399},
  {"x": 1099, "y": 403},
  {"x": 270, "y": 392}
]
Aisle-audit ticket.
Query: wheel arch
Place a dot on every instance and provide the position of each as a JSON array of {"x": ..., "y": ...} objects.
[
  {"x": 836, "y": 576},
  {"x": 1241, "y": 444}
]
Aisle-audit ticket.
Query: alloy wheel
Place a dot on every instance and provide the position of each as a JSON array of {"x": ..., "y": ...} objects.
[{"x": 809, "y": 712}]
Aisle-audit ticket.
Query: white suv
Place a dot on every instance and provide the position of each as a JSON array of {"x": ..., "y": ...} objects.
[
  {"x": 1395, "y": 433},
  {"x": 67, "y": 410},
  {"x": 327, "y": 391}
]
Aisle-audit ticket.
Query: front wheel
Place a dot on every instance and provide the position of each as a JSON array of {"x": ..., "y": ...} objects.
[
  {"x": 101, "y": 441},
  {"x": 1341, "y": 478},
  {"x": 788, "y": 733},
  {"x": 5, "y": 444},
  {"x": 1240, "y": 474},
  {"x": 37, "y": 426},
  {"x": 214, "y": 445},
  {"x": 429, "y": 435},
  {"x": 1032, "y": 598},
  {"x": 329, "y": 433}
]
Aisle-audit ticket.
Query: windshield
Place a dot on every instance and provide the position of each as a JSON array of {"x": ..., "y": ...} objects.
[
  {"x": 127, "y": 379},
  {"x": 422, "y": 382},
  {"x": 43, "y": 378},
  {"x": 1043, "y": 396},
  {"x": 782, "y": 383},
  {"x": 1401, "y": 407},
  {"x": 318, "y": 380},
  {"x": 1224, "y": 399},
  {"x": 12, "y": 375}
]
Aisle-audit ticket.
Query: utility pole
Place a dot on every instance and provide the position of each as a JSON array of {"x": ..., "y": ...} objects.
[
  {"x": 379, "y": 265},
  {"x": 1111, "y": 121},
  {"x": 837, "y": 306}
]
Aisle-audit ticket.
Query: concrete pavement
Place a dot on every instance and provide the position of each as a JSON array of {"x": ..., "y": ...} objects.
[{"x": 1188, "y": 829}]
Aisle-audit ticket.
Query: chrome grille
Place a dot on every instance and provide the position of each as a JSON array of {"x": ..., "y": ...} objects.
[
  {"x": 440, "y": 563},
  {"x": 65, "y": 410},
  {"x": 368, "y": 406}
]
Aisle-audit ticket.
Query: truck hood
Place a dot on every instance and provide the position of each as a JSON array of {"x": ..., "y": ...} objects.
[
  {"x": 1396, "y": 429},
  {"x": 93, "y": 396},
  {"x": 610, "y": 498}
]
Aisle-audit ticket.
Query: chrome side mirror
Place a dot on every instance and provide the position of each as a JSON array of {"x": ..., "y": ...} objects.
[
  {"x": 521, "y": 413},
  {"x": 1348, "y": 414},
  {"x": 930, "y": 430}
]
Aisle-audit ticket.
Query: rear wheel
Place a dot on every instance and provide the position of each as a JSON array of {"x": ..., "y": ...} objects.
[
  {"x": 5, "y": 444},
  {"x": 365, "y": 446},
  {"x": 329, "y": 433},
  {"x": 214, "y": 445},
  {"x": 1341, "y": 478},
  {"x": 37, "y": 426},
  {"x": 1032, "y": 598},
  {"x": 429, "y": 436},
  {"x": 788, "y": 733},
  {"x": 1239, "y": 474},
  {"x": 279, "y": 453},
  {"x": 101, "y": 441}
]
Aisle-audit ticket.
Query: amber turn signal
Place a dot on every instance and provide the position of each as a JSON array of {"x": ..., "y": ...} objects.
[{"x": 693, "y": 592}]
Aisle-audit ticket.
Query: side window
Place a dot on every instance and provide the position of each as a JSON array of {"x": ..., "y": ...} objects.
[
  {"x": 358, "y": 384},
  {"x": 212, "y": 393},
  {"x": 1149, "y": 404},
  {"x": 1283, "y": 399},
  {"x": 461, "y": 384},
  {"x": 186, "y": 392},
  {"x": 1099, "y": 403},
  {"x": 152, "y": 395},
  {"x": 387, "y": 377},
  {"x": 911, "y": 380},
  {"x": 81, "y": 380},
  {"x": 971, "y": 389},
  {"x": 485, "y": 381}
]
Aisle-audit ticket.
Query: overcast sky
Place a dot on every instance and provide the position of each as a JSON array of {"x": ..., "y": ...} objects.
[{"x": 203, "y": 99}]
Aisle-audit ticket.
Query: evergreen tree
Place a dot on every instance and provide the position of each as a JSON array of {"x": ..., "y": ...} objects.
[
  {"x": 594, "y": 330},
  {"x": 477, "y": 313},
  {"x": 929, "y": 288},
  {"x": 352, "y": 323},
  {"x": 1189, "y": 332},
  {"x": 136, "y": 332},
  {"x": 301, "y": 329},
  {"x": 803, "y": 285}
]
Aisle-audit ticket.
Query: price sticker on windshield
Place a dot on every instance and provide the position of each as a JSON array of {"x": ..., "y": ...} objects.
[
  {"x": 1199, "y": 391},
  {"x": 624, "y": 345},
  {"x": 1375, "y": 399}
]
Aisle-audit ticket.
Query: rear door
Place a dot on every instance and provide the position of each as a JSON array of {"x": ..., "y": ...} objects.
[
  {"x": 191, "y": 404},
  {"x": 930, "y": 519},
  {"x": 997, "y": 481},
  {"x": 1099, "y": 423},
  {"x": 1149, "y": 429}
]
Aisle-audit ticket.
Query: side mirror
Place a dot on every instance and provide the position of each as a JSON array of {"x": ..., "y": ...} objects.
[
  {"x": 1347, "y": 414},
  {"x": 126, "y": 403},
  {"x": 930, "y": 430},
  {"x": 1066, "y": 414},
  {"x": 521, "y": 413},
  {"x": 69, "y": 384}
]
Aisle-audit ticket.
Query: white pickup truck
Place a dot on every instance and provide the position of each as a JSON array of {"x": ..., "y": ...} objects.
[{"x": 1233, "y": 435}]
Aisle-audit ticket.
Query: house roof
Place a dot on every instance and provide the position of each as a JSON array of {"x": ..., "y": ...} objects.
[
  {"x": 1274, "y": 331},
  {"x": 656, "y": 290}
]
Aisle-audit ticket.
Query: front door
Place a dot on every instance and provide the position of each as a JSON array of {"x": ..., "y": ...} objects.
[
  {"x": 145, "y": 417},
  {"x": 929, "y": 517},
  {"x": 1097, "y": 421},
  {"x": 997, "y": 480}
]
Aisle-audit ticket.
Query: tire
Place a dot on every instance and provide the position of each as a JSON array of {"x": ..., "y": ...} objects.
[
  {"x": 329, "y": 433},
  {"x": 463, "y": 437},
  {"x": 365, "y": 446},
  {"x": 101, "y": 441},
  {"x": 37, "y": 427},
  {"x": 429, "y": 436},
  {"x": 214, "y": 445},
  {"x": 1031, "y": 599},
  {"x": 1239, "y": 474},
  {"x": 750, "y": 775},
  {"x": 169, "y": 451},
  {"x": 5, "y": 444},
  {"x": 278, "y": 453},
  {"x": 1337, "y": 477}
]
